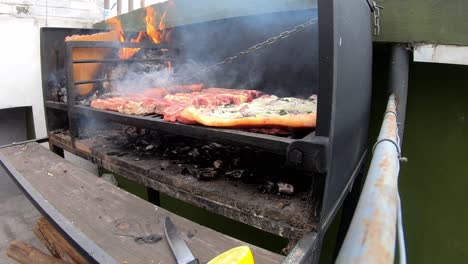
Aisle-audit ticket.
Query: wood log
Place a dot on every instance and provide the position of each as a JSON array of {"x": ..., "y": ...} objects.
[
  {"x": 27, "y": 254},
  {"x": 57, "y": 245}
]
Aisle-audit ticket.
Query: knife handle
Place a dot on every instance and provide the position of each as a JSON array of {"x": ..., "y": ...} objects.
[{"x": 195, "y": 261}]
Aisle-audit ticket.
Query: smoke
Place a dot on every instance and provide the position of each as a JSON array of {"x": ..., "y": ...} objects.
[{"x": 285, "y": 68}]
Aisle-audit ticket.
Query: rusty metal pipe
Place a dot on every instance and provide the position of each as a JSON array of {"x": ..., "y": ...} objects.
[{"x": 372, "y": 233}]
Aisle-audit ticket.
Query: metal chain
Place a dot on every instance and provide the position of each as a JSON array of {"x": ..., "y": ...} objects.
[
  {"x": 376, "y": 10},
  {"x": 261, "y": 45}
]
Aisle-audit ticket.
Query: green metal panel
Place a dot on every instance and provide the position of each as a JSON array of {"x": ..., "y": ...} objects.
[{"x": 432, "y": 21}]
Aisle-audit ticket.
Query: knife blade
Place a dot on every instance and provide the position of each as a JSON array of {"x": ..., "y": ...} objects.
[{"x": 179, "y": 248}]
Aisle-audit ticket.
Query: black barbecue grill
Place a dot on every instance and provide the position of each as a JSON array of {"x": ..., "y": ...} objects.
[{"x": 336, "y": 66}]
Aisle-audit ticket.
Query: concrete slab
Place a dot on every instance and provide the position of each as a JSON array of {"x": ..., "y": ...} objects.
[{"x": 17, "y": 217}]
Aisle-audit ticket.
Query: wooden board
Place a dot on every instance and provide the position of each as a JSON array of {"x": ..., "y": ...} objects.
[
  {"x": 96, "y": 208},
  {"x": 238, "y": 201}
]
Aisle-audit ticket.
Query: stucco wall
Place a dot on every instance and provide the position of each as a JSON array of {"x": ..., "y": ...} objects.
[{"x": 20, "y": 70}]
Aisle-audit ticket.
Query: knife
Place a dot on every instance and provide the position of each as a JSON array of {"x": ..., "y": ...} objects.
[{"x": 178, "y": 246}]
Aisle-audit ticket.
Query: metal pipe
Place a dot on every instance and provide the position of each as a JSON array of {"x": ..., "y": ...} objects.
[
  {"x": 398, "y": 83},
  {"x": 371, "y": 235},
  {"x": 38, "y": 140}
]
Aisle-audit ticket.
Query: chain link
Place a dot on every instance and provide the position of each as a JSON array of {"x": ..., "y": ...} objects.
[
  {"x": 376, "y": 10},
  {"x": 261, "y": 45}
]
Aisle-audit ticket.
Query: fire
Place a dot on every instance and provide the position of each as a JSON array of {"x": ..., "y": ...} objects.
[
  {"x": 157, "y": 34},
  {"x": 124, "y": 53}
]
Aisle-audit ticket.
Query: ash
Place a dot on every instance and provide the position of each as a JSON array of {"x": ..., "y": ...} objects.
[{"x": 207, "y": 160}]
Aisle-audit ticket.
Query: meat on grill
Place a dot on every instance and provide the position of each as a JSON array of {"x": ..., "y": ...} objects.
[
  {"x": 170, "y": 106},
  {"x": 219, "y": 107}
]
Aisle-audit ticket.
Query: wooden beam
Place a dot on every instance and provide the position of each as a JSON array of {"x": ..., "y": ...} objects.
[
  {"x": 142, "y": 3},
  {"x": 106, "y": 4},
  {"x": 130, "y": 5},
  {"x": 27, "y": 254}
]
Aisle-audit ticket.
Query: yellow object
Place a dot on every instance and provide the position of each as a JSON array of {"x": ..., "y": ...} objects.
[{"x": 238, "y": 255}]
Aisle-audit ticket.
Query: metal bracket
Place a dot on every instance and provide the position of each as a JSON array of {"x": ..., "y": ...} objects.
[{"x": 308, "y": 154}]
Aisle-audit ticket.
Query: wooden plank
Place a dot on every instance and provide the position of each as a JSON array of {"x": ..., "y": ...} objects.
[
  {"x": 57, "y": 245},
  {"x": 26, "y": 254},
  {"x": 98, "y": 208},
  {"x": 238, "y": 201}
]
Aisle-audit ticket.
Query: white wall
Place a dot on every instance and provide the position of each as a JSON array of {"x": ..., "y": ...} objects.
[{"x": 20, "y": 70}]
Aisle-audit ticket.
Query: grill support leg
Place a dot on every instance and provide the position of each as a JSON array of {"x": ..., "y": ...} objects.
[
  {"x": 57, "y": 150},
  {"x": 153, "y": 196}
]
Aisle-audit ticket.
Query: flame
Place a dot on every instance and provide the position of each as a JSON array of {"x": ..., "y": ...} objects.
[
  {"x": 160, "y": 33},
  {"x": 156, "y": 34},
  {"x": 151, "y": 30},
  {"x": 124, "y": 53},
  {"x": 169, "y": 65}
]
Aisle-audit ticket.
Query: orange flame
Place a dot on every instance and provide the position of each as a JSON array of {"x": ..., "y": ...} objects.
[
  {"x": 124, "y": 53},
  {"x": 151, "y": 30},
  {"x": 156, "y": 34},
  {"x": 160, "y": 33}
]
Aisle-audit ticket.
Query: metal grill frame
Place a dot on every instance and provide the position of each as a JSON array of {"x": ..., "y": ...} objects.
[{"x": 339, "y": 145}]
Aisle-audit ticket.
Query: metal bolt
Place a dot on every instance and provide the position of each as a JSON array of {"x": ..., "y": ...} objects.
[{"x": 296, "y": 157}]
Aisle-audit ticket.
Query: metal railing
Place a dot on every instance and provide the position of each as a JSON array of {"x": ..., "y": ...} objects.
[{"x": 371, "y": 237}]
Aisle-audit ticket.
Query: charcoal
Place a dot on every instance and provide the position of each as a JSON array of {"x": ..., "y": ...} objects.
[
  {"x": 235, "y": 163},
  {"x": 235, "y": 174},
  {"x": 209, "y": 160},
  {"x": 186, "y": 171},
  {"x": 218, "y": 164},
  {"x": 194, "y": 153},
  {"x": 149, "y": 147},
  {"x": 215, "y": 145},
  {"x": 268, "y": 187},
  {"x": 285, "y": 188},
  {"x": 206, "y": 174}
]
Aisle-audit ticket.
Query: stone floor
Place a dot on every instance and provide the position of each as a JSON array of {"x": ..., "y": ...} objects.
[{"x": 17, "y": 217}]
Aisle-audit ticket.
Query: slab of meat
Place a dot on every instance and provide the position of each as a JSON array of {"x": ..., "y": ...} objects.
[
  {"x": 155, "y": 93},
  {"x": 161, "y": 92},
  {"x": 170, "y": 106},
  {"x": 266, "y": 111},
  {"x": 138, "y": 106},
  {"x": 187, "y": 88},
  {"x": 173, "y": 105},
  {"x": 109, "y": 103}
]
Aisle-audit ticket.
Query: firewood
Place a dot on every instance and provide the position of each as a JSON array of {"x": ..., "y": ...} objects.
[
  {"x": 27, "y": 254},
  {"x": 57, "y": 245}
]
